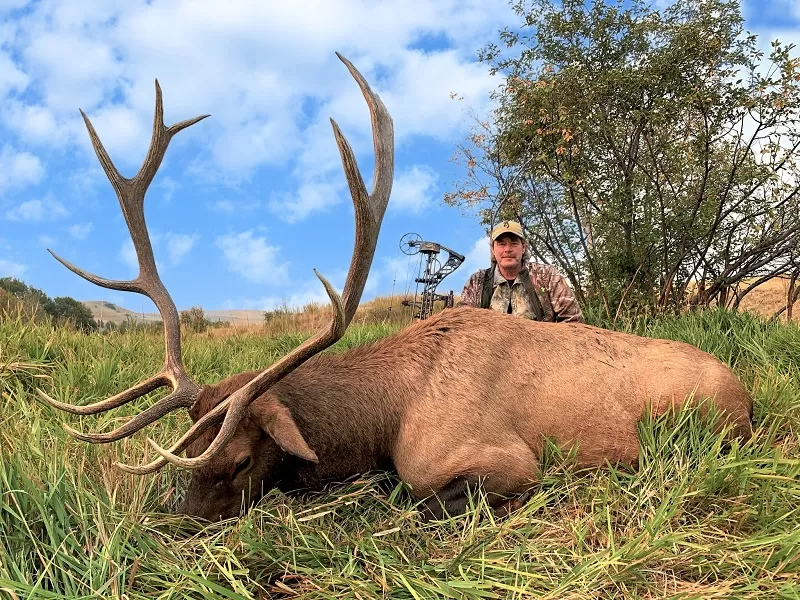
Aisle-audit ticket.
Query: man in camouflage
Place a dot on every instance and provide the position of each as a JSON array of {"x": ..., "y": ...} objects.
[{"x": 517, "y": 286}]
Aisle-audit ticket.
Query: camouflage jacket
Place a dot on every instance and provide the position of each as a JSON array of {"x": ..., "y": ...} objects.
[{"x": 555, "y": 296}]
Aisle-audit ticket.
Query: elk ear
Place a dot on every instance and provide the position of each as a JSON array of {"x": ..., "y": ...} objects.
[{"x": 277, "y": 422}]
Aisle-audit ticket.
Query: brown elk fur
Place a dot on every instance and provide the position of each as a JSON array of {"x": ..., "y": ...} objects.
[{"x": 466, "y": 394}]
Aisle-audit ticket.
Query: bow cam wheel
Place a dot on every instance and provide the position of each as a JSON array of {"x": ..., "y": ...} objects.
[{"x": 410, "y": 243}]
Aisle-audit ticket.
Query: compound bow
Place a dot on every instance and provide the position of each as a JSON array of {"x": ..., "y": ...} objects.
[{"x": 432, "y": 275}]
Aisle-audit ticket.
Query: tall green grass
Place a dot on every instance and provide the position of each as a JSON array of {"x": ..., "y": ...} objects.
[{"x": 698, "y": 519}]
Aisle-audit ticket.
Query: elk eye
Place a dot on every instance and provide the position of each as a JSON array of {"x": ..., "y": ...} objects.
[{"x": 242, "y": 465}]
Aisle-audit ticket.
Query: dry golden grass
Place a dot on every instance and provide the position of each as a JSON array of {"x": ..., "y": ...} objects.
[
  {"x": 384, "y": 310},
  {"x": 765, "y": 300},
  {"x": 769, "y": 298}
]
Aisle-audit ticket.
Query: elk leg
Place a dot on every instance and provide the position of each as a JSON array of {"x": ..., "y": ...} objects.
[
  {"x": 514, "y": 504},
  {"x": 453, "y": 498}
]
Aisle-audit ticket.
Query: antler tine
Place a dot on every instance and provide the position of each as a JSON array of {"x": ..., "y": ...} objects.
[
  {"x": 180, "y": 398},
  {"x": 211, "y": 418},
  {"x": 234, "y": 407},
  {"x": 112, "y": 284},
  {"x": 369, "y": 208},
  {"x": 131, "y": 193},
  {"x": 369, "y": 211},
  {"x": 140, "y": 389}
]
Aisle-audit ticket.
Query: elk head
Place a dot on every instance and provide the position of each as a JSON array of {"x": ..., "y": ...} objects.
[
  {"x": 222, "y": 413},
  {"x": 252, "y": 462}
]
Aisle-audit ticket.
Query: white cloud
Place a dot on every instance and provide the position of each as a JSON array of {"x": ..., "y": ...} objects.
[
  {"x": 9, "y": 5},
  {"x": 84, "y": 181},
  {"x": 412, "y": 190},
  {"x": 74, "y": 67},
  {"x": 34, "y": 123},
  {"x": 384, "y": 270},
  {"x": 418, "y": 96},
  {"x": 400, "y": 270},
  {"x": 295, "y": 300},
  {"x": 18, "y": 169},
  {"x": 270, "y": 91},
  {"x": 252, "y": 257},
  {"x": 477, "y": 257},
  {"x": 266, "y": 108},
  {"x": 127, "y": 254},
  {"x": 168, "y": 186},
  {"x": 46, "y": 209},
  {"x": 244, "y": 146},
  {"x": 179, "y": 245},
  {"x": 11, "y": 269},
  {"x": 421, "y": 97},
  {"x": 11, "y": 77},
  {"x": 80, "y": 230},
  {"x": 303, "y": 293},
  {"x": 225, "y": 206},
  {"x": 311, "y": 197},
  {"x": 125, "y": 134},
  {"x": 235, "y": 206},
  {"x": 47, "y": 241}
]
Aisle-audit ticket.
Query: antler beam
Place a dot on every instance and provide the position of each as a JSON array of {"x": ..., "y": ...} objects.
[
  {"x": 131, "y": 193},
  {"x": 369, "y": 211}
]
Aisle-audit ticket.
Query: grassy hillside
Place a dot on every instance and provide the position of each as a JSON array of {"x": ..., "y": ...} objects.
[
  {"x": 770, "y": 297},
  {"x": 113, "y": 313},
  {"x": 765, "y": 300},
  {"x": 283, "y": 320},
  {"x": 696, "y": 521}
]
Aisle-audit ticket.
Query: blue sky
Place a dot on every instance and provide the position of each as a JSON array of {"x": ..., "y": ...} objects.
[{"x": 249, "y": 201}]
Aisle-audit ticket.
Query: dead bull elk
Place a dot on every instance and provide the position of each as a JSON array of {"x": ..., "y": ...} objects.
[{"x": 465, "y": 395}]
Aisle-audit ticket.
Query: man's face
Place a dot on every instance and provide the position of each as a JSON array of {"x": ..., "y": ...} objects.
[{"x": 508, "y": 250}]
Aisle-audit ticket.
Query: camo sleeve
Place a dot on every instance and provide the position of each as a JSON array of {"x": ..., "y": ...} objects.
[
  {"x": 471, "y": 294},
  {"x": 550, "y": 281}
]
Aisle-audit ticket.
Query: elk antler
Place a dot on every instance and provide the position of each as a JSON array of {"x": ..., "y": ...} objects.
[
  {"x": 369, "y": 211},
  {"x": 131, "y": 194}
]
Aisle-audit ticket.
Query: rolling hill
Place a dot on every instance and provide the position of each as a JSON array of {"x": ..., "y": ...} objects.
[
  {"x": 106, "y": 311},
  {"x": 766, "y": 299}
]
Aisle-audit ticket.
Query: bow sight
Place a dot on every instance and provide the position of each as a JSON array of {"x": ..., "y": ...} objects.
[{"x": 431, "y": 274}]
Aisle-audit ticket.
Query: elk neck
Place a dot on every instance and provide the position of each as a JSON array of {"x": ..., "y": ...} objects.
[{"x": 349, "y": 405}]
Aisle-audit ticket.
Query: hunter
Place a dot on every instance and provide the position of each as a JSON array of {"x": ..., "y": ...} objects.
[{"x": 518, "y": 286}]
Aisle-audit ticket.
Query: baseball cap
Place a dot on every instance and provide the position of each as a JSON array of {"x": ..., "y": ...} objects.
[{"x": 511, "y": 227}]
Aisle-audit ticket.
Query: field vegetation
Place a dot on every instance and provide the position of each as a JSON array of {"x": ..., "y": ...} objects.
[{"x": 697, "y": 520}]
